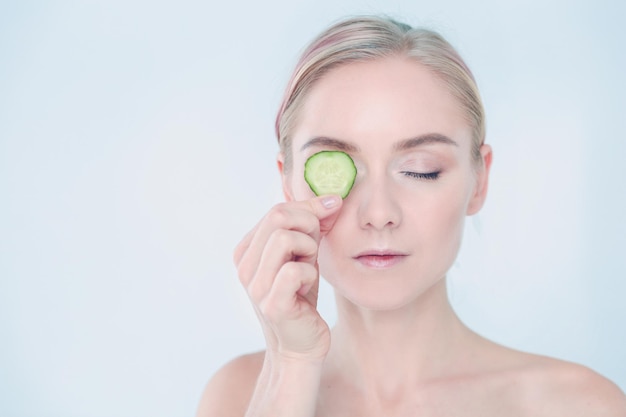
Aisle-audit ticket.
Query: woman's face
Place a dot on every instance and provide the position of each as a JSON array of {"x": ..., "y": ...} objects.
[{"x": 400, "y": 227}]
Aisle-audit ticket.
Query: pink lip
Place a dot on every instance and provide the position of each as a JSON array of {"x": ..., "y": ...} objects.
[{"x": 380, "y": 259}]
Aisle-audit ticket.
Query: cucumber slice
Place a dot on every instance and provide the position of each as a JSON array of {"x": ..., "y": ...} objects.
[{"x": 330, "y": 172}]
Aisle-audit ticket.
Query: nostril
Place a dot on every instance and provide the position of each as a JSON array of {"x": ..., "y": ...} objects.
[{"x": 379, "y": 214}]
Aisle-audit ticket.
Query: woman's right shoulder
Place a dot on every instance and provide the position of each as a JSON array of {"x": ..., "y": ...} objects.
[{"x": 229, "y": 391}]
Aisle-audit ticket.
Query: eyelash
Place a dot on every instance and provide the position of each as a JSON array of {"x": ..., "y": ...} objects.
[{"x": 422, "y": 175}]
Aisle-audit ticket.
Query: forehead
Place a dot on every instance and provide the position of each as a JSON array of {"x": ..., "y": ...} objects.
[{"x": 392, "y": 98}]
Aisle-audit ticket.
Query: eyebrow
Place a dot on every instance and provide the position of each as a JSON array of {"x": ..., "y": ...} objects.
[
  {"x": 330, "y": 143},
  {"x": 425, "y": 139}
]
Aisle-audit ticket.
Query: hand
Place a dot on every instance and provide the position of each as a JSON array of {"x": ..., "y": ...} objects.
[{"x": 277, "y": 264}]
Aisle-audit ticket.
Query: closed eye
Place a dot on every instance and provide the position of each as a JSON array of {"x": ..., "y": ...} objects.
[{"x": 422, "y": 175}]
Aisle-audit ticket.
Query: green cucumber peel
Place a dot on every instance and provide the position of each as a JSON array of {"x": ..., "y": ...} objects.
[{"x": 330, "y": 172}]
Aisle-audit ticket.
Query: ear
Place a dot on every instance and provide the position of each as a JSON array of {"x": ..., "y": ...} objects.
[
  {"x": 482, "y": 181},
  {"x": 286, "y": 181}
]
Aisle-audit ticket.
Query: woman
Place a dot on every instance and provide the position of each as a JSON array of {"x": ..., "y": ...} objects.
[{"x": 404, "y": 106}]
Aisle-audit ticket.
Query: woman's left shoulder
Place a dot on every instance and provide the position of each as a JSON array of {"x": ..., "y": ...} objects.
[{"x": 554, "y": 387}]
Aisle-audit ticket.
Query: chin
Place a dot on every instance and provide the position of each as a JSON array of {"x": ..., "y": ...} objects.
[{"x": 379, "y": 293}]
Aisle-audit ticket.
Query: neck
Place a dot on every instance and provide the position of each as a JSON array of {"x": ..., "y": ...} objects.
[{"x": 380, "y": 352}]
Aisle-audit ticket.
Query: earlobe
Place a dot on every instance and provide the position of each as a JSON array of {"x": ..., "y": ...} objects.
[
  {"x": 286, "y": 184},
  {"x": 482, "y": 181}
]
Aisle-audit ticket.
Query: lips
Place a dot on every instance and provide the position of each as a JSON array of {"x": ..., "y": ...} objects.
[{"x": 380, "y": 258}]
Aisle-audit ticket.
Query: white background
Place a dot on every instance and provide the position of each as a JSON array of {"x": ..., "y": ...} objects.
[{"x": 137, "y": 147}]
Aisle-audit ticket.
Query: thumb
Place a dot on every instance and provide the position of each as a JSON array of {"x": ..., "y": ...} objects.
[{"x": 327, "y": 211}]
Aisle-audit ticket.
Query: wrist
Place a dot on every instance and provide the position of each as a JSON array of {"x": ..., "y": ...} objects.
[
  {"x": 294, "y": 359},
  {"x": 287, "y": 386},
  {"x": 286, "y": 364}
]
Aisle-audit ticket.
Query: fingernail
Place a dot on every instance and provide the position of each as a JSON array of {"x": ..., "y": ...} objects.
[{"x": 330, "y": 201}]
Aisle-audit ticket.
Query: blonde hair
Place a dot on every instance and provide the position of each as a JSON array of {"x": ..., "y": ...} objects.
[{"x": 369, "y": 38}]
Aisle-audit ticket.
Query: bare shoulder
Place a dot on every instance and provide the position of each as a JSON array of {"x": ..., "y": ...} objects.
[
  {"x": 536, "y": 385},
  {"x": 228, "y": 392},
  {"x": 558, "y": 388}
]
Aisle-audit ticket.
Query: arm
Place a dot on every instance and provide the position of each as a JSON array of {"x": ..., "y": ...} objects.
[
  {"x": 252, "y": 385},
  {"x": 277, "y": 264},
  {"x": 286, "y": 388}
]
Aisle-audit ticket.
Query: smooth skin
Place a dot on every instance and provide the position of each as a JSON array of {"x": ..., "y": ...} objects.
[{"x": 398, "y": 348}]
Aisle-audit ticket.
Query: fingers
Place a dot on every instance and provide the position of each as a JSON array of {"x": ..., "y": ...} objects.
[
  {"x": 282, "y": 297},
  {"x": 324, "y": 208},
  {"x": 283, "y": 247},
  {"x": 243, "y": 245},
  {"x": 313, "y": 217},
  {"x": 331, "y": 203},
  {"x": 277, "y": 264}
]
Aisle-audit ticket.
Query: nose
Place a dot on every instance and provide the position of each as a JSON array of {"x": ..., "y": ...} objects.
[{"x": 378, "y": 207}]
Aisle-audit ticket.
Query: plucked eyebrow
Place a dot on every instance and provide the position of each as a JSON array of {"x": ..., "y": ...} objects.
[
  {"x": 325, "y": 142},
  {"x": 426, "y": 139}
]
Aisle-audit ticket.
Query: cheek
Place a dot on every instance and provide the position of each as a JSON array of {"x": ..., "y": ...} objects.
[
  {"x": 325, "y": 260},
  {"x": 446, "y": 226},
  {"x": 339, "y": 244},
  {"x": 451, "y": 220},
  {"x": 301, "y": 189},
  {"x": 446, "y": 209},
  {"x": 298, "y": 187}
]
